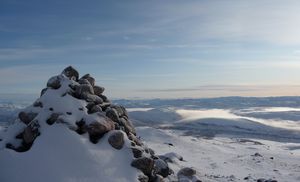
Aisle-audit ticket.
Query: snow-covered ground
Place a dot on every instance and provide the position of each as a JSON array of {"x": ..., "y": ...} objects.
[
  {"x": 228, "y": 159},
  {"x": 225, "y": 139}
]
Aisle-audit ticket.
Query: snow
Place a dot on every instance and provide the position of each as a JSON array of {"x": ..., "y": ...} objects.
[
  {"x": 60, "y": 154},
  {"x": 227, "y": 159},
  {"x": 219, "y": 140}
]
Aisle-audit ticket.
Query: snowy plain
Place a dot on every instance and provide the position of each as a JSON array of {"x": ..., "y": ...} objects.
[{"x": 224, "y": 139}]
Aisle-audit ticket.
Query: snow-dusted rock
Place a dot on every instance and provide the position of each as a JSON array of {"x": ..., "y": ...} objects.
[
  {"x": 116, "y": 140},
  {"x": 54, "y": 82}
]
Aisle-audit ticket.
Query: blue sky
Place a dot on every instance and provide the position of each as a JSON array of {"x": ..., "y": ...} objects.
[{"x": 150, "y": 49}]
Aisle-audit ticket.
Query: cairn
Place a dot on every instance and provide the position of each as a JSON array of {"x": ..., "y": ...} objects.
[{"x": 84, "y": 109}]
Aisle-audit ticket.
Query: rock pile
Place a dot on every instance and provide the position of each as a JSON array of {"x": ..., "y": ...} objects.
[{"x": 81, "y": 105}]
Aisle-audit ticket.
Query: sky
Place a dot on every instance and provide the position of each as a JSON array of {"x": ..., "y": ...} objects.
[{"x": 154, "y": 49}]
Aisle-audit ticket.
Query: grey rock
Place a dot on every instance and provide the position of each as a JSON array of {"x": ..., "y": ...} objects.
[
  {"x": 133, "y": 138},
  {"x": 96, "y": 130},
  {"x": 161, "y": 167},
  {"x": 30, "y": 132},
  {"x": 187, "y": 171},
  {"x": 95, "y": 108},
  {"x": 257, "y": 155},
  {"x": 26, "y": 118},
  {"x": 104, "y": 98},
  {"x": 171, "y": 157},
  {"x": 98, "y": 90},
  {"x": 120, "y": 110},
  {"x": 53, "y": 117},
  {"x": 83, "y": 81},
  {"x": 54, "y": 82},
  {"x": 81, "y": 127},
  {"x": 105, "y": 106},
  {"x": 93, "y": 98},
  {"x": 116, "y": 140},
  {"x": 90, "y": 105},
  {"x": 89, "y": 78},
  {"x": 113, "y": 115},
  {"x": 144, "y": 164},
  {"x": 71, "y": 73},
  {"x": 127, "y": 125},
  {"x": 28, "y": 135},
  {"x": 82, "y": 91},
  {"x": 137, "y": 152}
]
